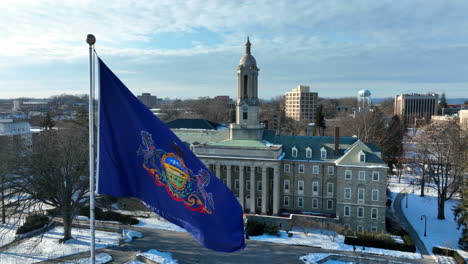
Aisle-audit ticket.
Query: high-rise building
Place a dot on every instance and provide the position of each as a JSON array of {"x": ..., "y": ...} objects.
[
  {"x": 415, "y": 107},
  {"x": 147, "y": 99},
  {"x": 300, "y": 103},
  {"x": 463, "y": 114}
]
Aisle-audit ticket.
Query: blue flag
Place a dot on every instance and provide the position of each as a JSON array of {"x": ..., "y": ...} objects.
[{"x": 140, "y": 157}]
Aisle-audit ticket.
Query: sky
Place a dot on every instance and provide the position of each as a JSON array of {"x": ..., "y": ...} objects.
[{"x": 188, "y": 49}]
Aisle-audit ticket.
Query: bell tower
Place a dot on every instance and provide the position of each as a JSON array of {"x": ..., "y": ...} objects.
[{"x": 247, "y": 124}]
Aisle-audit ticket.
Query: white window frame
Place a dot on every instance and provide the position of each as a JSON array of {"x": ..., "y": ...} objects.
[
  {"x": 376, "y": 212},
  {"x": 373, "y": 175},
  {"x": 236, "y": 184},
  {"x": 348, "y": 173},
  {"x": 347, "y": 191},
  {"x": 360, "y": 209},
  {"x": 376, "y": 193},
  {"x": 315, "y": 206},
  {"x": 328, "y": 189},
  {"x": 259, "y": 201},
  {"x": 329, "y": 201},
  {"x": 362, "y": 157},
  {"x": 301, "y": 203},
  {"x": 287, "y": 167},
  {"x": 323, "y": 153},
  {"x": 301, "y": 168},
  {"x": 315, "y": 184},
  {"x": 300, "y": 185},
  {"x": 359, "y": 192},
  {"x": 308, "y": 152},
  {"x": 349, "y": 211},
  {"x": 331, "y": 170},
  {"x": 286, "y": 183},
  {"x": 286, "y": 201},
  {"x": 294, "y": 152},
  {"x": 259, "y": 186},
  {"x": 362, "y": 175},
  {"x": 315, "y": 169}
]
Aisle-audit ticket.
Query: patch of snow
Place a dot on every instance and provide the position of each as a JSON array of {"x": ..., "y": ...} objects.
[
  {"x": 322, "y": 238},
  {"x": 100, "y": 259},
  {"x": 82, "y": 218},
  {"x": 158, "y": 224},
  {"x": 159, "y": 257},
  {"x": 313, "y": 258},
  {"x": 129, "y": 235},
  {"x": 38, "y": 249},
  {"x": 8, "y": 232},
  {"x": 134, "y": 262}
]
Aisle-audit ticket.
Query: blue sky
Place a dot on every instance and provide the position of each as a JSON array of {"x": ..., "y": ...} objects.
[{"x": 183, "y": 49}]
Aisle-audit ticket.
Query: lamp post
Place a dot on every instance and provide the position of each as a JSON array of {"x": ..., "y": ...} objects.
[
  {"x": 425, "y": 223},
  {"x": 406, "y": 195}
]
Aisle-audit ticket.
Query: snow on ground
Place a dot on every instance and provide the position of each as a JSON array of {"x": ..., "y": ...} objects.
[
  {"x": 442, "y": 233},
  {"x": 313, "y": 258},
  {"x": 7, "y": 233},
  {"x": 321, "y": 238},
  {"x": 159, "y": 257},
  {"x": 36, "y": 250},
  {"x": 396, "y": 187},
  {"x": 100, "y": 259},
  {"x": 129, "y": 235},
  {"x": 158, "y": 224}
]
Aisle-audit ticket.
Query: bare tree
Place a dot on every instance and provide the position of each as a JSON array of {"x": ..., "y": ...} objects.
[{"x": 442, "y": 153}]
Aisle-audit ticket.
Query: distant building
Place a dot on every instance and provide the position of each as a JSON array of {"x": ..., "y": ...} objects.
[
  {"x": 416, "y": 107},
  {"x": 149, "y": 100},
  {"x": 36, "y": 105},
  {"x": 463, "y": 114},
  {"x": 301, "y": 103},
  {"x": 18, "y": 130}
]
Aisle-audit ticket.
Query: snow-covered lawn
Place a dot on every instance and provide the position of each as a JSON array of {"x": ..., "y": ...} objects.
[
  {"x": 158, "y": 224},
  {"x": 100, "y": 259},
  {"x": 442, "y": 233},
  {"x": 7, "y": 233},
  {"x": 321, "y": 238},
  {"x": 159, "y": 257},
  {"x": 35, "y": 250}
]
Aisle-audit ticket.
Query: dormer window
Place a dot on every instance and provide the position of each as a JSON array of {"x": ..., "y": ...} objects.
[
  {"x": 308, "y": 152},
  {"x": 362, "y": 156},
  {"x": 323, "y": 153},
  {"x": 294, "y": 152}
]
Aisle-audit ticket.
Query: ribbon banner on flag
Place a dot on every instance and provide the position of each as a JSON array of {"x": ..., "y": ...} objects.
[{"x": 140, "y": 157}]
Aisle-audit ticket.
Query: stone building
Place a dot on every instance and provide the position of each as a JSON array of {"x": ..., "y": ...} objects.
[{"x": 337, "y": 177}]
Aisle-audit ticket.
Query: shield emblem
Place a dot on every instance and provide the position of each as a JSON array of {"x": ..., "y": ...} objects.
[{"x": 177, "y": 175}]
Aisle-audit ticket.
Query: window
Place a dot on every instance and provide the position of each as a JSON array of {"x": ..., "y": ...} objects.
[
  {"x": 245, "y": 115},
  {"x": 346, "y": 226},
  {"x": 360, "y": 212},
  {"x": 362, "y": 157},
  {"x": 286, "y": 201},
  {"x": 329, "y": 189},
  {"x": 362, "y": 175},
  {"x": 315, "y": 169},
  {"x": 236, "y": 184},
  {"x": 286, "y": 186},
  {"x": 300, "y": 202},
  {"x": 331, "y": 170},
  {"x": 374, "y": 213},
  {"x": 301, "y": 168},
  {"x": 259, "y": 201},
  {"x": 348, "y": 174},
  {"x": 259, "y": 186},
  {"x": 247, "y": 183},
  {"x": 347, "y": 210},
  {"x": 360, "y": 193},
  {"x": 329, "y": 204},
  {"x": 323, "y": 153},
  {"x": 300, "y": 187},
  {"x": 308, "y": 153},
  {"x": 360, "y": 228},
  {"x": 347, "y": 193},
  {"x": 294, "y": 152},
  {"x": 375, "y": 176},
  {"x": 236, "y": 168},
  {"x": 374, "y": 229},
  {"x": 315, "y": 188},
  {"x": 315, "y": 203},
  {"x": 286, "y": 168},
  {"x": 375, "y": 195}
]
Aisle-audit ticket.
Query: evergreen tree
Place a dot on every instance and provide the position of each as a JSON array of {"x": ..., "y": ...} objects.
[
  {"x": 392, "y": 143},
  {"x": 47, "y": 123},
  {"x": 319, "y": 120},
  {"x": 442, "y": 104},
  {"x": 461, "y": 215}
]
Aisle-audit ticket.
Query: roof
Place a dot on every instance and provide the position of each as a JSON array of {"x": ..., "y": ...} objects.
[
  {"x": 351, "y": 157},
  {"x": 313, "y": 142},
  {"x": 194, "y": 124},
  {"x": 242, "y": 143},
  {"x": 373, "y": 147}
]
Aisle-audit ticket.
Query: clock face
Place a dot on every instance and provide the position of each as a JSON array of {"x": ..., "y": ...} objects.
[{"x": 245, "y": 108}]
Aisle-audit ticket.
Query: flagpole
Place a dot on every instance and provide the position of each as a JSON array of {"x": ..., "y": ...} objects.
[{"x": 90, "y": 39}]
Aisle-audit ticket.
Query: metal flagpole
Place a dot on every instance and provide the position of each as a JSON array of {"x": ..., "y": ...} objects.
[{"x": 90, "y": 39}]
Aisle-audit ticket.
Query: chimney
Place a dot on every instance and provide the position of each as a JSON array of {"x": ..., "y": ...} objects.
[{"x": 337, "y": 140}]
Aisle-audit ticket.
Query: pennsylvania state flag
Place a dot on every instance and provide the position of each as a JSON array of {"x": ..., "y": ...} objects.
[{"x": 140, "y": 157}]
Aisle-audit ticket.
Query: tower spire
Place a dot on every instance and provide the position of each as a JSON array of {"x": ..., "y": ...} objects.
[{"x": 247, "y": 46}]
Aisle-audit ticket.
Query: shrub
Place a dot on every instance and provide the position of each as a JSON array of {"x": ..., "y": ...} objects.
[
  {"x": 53, "y": 212},
  {"x": 290, "y": 234},
  {"x": 33, "y": 222},
  {"x": 110, "y": 216},
  {"x": 379, "y": 240},
  {"x": 272, "y": 229},
  {"x": 255, "y": 228}
]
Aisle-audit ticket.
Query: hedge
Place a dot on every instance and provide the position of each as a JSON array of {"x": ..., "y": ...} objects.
[
  {"x": 449, "y": 252},
  {"x": 380, "y": 240},
  {"x": 33, "y": 222},
  {"x": 110, "y": 216}
]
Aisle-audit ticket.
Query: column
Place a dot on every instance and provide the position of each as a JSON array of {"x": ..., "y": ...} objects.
[
  {"x": 252, "y": 190},
  {"x": 264, "y": 190},
  {"x": 218, "y": 170},
  {"x": 228, "y": 176},
  {"x": 241, "y": 186},
  {"x": 276, "y": 185}
]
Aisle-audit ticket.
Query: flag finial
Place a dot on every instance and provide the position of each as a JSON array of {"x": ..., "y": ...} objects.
[{"x": 90, "y": 39}]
